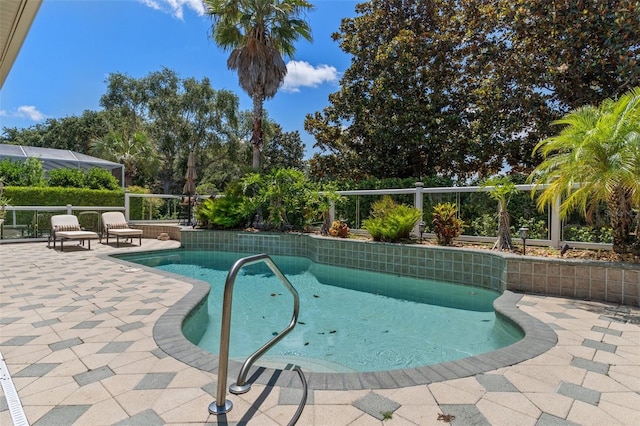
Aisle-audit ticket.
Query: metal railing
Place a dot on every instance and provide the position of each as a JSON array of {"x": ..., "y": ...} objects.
[
  {"x": 169, "y": 209},
  {"x": 554, "y": 223},
  {"x": 34, "y": 222},
  {"x": 222, "y": 405}
]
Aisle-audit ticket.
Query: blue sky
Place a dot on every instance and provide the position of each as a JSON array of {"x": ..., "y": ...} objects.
[{"x": 74, "y": 44}]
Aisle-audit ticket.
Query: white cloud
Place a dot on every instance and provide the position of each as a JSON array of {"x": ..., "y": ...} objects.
[
  {"x": 30, "y": 112},
  {"x": 303, "y": 74},
  {"x": 175, "y": 7}
]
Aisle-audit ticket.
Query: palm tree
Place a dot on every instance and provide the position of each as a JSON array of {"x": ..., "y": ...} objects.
[
  {"x": 135, "y": 152},
  {"x": 258, "y": 33},
  {"x": 594, "y": 159},
  {"x": 501, "y": 188}
]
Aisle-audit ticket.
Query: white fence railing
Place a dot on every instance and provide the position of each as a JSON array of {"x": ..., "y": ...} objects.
[{"x": 18, "y": 220}]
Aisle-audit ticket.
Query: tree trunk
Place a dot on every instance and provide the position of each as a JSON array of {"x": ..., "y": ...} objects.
[
  {"x": 504, "y": 231},
  {"x": 621, "y": 217},
  {"x": 256, "y": 135}
]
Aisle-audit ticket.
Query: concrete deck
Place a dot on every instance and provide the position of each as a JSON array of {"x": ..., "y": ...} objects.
[{"x": 76, "y": 334}]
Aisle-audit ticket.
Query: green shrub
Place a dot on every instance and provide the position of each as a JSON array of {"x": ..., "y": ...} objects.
[
  {"x": 67, "y": 178},
  {"x": 22, "y": 173},
  {"x": 484, "y": 225},
  {"x": 537, "y": 228},
  {"x": 587, "y": 234},
  {"x": 46, "y": 196},
  {"x": 98, "y": 178},
  {"x": 390, "y": 221},
  {"x": 224, "y": 212},
  {"x": 446, "y": 225},
  {"x": 286, "y": 199}
]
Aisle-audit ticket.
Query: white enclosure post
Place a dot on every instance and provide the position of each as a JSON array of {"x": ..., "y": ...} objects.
[
  {"x": 556, "y": 224},
  {"x": 418, "y": 202}
]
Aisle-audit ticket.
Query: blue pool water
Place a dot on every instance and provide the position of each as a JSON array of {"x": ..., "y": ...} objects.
[{"x": 349, "y": 320}]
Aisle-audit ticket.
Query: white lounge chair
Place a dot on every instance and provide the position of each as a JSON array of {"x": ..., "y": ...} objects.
[
  {"x": 66, "y": 227},
  {"x": 114, "y": 223}
]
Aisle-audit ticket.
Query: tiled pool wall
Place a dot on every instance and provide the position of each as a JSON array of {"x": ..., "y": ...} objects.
[
  {"x": 586, "y": 280},
  {"x": 443, "y": 264}
]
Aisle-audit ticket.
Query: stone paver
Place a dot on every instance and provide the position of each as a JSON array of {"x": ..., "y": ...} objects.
[{"x": 77, "y": 336}]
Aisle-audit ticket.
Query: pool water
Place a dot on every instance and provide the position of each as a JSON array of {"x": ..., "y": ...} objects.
[{"x": 350, "y": 320}]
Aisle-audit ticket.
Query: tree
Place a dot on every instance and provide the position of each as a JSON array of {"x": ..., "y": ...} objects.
[
  {"x": 258, "y": 33},
  {"x": 187, "y": 115},
  {"x": 283, "y": 150},
  {"x": 465, "y": 88},
  {"x": 599, "y": 150},
  {"x": 388, "y": 115},
  {"x": 134, "y": 151},
  {"x": 501, "y": 188},
  {"x": 74, "y": 132},
  {"x": 176, "y": 115}
]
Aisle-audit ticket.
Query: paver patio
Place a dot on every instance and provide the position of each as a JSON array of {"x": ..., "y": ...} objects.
[{"x": 76, "y": 334}]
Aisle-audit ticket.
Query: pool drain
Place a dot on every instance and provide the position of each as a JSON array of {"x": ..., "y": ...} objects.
[{"x": 10, "y": 393}]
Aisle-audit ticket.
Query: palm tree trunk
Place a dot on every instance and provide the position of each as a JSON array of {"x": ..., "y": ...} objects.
[
  {"x": 256, "y": 135},
  {"x": 504, "y": 231},
  {"x": 621, "y": 217}
]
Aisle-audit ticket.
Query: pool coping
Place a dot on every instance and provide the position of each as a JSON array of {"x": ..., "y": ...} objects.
[{"x": 167, "y": 332}]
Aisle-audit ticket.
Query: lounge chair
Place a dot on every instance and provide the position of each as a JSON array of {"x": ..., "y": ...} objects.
[
  {"x": 114, "y": 223},
  {"x": 66, "y": 227}
]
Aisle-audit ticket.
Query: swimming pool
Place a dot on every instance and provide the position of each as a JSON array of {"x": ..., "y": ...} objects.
[{"x": 349, "y": 320}]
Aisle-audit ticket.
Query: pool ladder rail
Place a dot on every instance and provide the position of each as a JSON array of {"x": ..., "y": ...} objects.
[{"x": 222, "y": 405}]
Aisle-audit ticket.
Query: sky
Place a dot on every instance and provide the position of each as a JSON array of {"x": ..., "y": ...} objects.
[{"x": 73, "y": 45}]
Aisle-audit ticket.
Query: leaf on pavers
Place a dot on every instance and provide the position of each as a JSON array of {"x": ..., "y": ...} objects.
[{"x": 447, "y": 418}]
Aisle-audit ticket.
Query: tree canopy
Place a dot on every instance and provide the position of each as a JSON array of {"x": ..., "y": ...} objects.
[{"x": 465, "y": 88}]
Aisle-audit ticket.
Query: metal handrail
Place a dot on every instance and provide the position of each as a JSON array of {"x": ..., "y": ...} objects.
[{"x": 225, "y": 330}]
